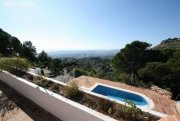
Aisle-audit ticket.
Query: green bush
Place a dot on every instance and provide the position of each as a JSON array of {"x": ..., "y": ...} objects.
[
  {"x": 157, "y": 72},
  {"x": 80, "y": 72},
  {"x": 71, "y": 90},
  {"x": 14, "y": 64},
  {"x": 125, "y": 77},
  {"x": 129, "y": 106}
]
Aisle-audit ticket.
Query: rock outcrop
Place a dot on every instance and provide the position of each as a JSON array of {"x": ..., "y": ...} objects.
[{"x": 161, "y": 91}]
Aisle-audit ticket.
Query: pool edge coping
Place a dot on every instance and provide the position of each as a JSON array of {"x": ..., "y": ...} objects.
[{"x": 148, "y": 99}]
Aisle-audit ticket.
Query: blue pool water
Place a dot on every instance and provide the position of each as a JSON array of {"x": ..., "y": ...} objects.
[{"x": 120, "y": 95}]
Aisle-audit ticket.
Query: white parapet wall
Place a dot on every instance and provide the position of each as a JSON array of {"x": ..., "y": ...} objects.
[{"x": 57, "y": 105}]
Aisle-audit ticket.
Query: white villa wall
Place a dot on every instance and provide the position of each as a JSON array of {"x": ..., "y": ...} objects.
[{"x": 57, "y": 105}]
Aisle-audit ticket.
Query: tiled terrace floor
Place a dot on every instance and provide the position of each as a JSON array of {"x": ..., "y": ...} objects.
[
  {"x": 20, "y": 108},
  {"x": 171, "y": 118},
  {"x": 162, "y": 104}
]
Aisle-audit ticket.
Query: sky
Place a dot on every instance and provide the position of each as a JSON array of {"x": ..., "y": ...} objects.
[{"x": 90, "y": 24}]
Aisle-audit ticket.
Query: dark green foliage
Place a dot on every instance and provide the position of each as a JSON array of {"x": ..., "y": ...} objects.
[
  {"x": 29, "y": 51},
  {"x": 4, "y": 42},
  {"x": 124, "y": 77},
  {"x": 130, "y": 58},
  {"x": 175, "y": 65},
  {"x": 11, "y": 46},
  {"x": 55, "y": 66},
  {"x": 80, "y": 72},
  {"x": 16, "y": 46},
  {"x": 42, "y": 56},
  {"x": 175, "y": 61},
  {"x": 164, "y": 75},
  {"x": 96, "y": 66},
  {"x": 157, "y": 55},
  {"x": 43, "y": 59},
  {"x": 154, "y": 66},
  {"x": 157, "y": 72}
]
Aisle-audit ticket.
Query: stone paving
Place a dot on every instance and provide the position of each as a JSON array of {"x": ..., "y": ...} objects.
[
  {"x": 171, "y": 118},
  {"x": 24, "y": 110},
  {"x": 16, "y": 115},
  {"x": 162, "y": 103}
]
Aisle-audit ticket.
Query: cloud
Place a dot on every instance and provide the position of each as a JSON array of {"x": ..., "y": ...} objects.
[{"x": 17, "y": 3}]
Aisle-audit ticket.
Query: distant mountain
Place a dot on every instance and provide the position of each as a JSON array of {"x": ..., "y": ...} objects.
[
  {"x": 168, "y": 44},
  {"x": 81, "y": 54}
]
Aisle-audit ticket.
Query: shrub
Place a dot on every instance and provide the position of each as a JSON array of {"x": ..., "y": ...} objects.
[
  {"x": 71, "y": 89},
  {"x": 157, "y": 72},
  {"x": 129, "y": 106},
  {"x": 80, "y": 72},
  {"x": 134, "y": 113},
  {"x": 125, "y": 78},
  {"x": 14, "y": 64}
]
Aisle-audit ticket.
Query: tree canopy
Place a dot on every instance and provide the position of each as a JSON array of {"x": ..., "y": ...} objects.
[
  {"x": 12, "y": 46},
  {"x": 29, "y": 51},
  {"x": 43, "y": 59},
  {"x": 157, "y": 72},
  {"x": 15, "y": 45},
  {"x": 131, "y": 58}
]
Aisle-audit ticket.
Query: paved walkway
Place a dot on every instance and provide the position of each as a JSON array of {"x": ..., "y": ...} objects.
[
  {"x": 16, "y": 115},
  {"x": 162, "y": 104},
  {"x": 19, "y": 108},
  {"x": 171, "y": 118}
]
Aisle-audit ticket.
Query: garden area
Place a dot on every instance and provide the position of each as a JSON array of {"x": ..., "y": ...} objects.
[{"x": 18, "y": 67}]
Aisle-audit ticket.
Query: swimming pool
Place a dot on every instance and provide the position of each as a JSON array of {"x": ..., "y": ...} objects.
[{"x": 120, "y": 95}]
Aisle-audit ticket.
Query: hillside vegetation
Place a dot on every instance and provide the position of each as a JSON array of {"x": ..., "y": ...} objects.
[
  {"x": 169, "y": 44},
  {"x": 12, "y": 46},
  {"x": 136, "y": 64}
]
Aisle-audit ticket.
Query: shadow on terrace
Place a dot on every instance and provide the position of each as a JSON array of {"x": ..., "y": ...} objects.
[{"x": 15, "y": 107}]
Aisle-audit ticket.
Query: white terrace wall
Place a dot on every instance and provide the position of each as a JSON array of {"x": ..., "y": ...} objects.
[{"x": 59, "y": 106}]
